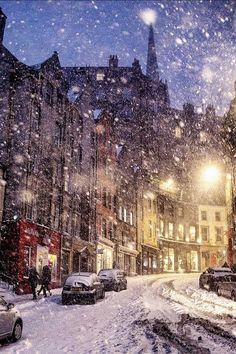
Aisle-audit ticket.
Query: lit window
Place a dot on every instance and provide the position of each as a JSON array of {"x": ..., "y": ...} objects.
[
  {"x": 181, "y": 231},
  {"x": 161, "y": 228},
  {"x": 192, "y": 233},
  {"x": 178, "y": 132},
  {"x": 131, "y": 218},
  {"x": 125, "y": 214},
  {"x": 150, "y": 228},
  {"x": 100, "y": 76},
  {"x": 180, "y": 211},
  {"x": 171, "y": 229}
]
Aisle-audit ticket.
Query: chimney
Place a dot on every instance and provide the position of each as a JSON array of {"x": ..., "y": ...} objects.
[
  {"x": 113, "y": 61},
  {"x": 3, "y": 18}
]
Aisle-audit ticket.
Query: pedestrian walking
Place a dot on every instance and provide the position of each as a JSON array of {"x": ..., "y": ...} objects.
[
  {"x": 33, "y": 280},
  {"x": 46, "y": 281}
]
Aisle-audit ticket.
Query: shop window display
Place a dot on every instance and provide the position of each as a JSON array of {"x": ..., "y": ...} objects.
[{"x": 168, "y": 259}]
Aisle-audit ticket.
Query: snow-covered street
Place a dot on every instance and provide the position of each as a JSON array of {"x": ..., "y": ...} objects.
[{"x": 148, "y": 317}]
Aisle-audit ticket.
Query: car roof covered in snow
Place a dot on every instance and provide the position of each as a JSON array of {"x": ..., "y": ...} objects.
[
  {"x": 82, "y": 277},
  {"x": 220, "y": 270}
]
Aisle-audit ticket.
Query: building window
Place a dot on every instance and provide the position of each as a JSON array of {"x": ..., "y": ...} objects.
[
  {"x": 104, "y": 228},
  {"x": 192, "y": 233},
  {"x": 181, "y": 231},
  {"x": 161, "y": 228},
  {"x": 100, "y": 76},
  {"x": 171, "y": 210},
  {"x": 110, "y": 231},
  {"x": 219, "y": 234},
  {"x": 124, "y": 214},
  {"x": 131, "y": 218},
  {"x": 58, "y": 134},
  {"x": 150, "y": 228},
  {"x": 170, "y": 230},
  {"x": 178, "y": 132},
  {"x": 104, "y": 197},
  {"x": 162, "y": 207},
  {"x": 217, "y": 216},
  {"x": 36, "y": 118},
  {"x": 120, "y": 213},
  {"x": 49, "y": 93},
  {"x": 204, "y": 233},
  {"x": 59, "y": 101},
  {"x": 109, "y": 201},
  {"x": 180, "y": 212},
  {"x": 28, "y": 211},
  {"x": 203, "y": 215}
]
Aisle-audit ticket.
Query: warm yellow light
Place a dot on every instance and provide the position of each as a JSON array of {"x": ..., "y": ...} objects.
[{"x": 211, "y": 174}]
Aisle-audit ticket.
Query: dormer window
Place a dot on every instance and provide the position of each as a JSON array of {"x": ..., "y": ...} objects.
[
  {"x": 178, "y": 132},
  {"x": 100, "y": 76}
]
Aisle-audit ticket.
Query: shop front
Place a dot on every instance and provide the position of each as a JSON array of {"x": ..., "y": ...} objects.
[
  {"x": 179, "y": 257},
  {"x": 27, "y": 245},
  {"x": 127, "y": 260},
  {"x": 150, "y": 263},
  {"x": 105, "y": 254}
]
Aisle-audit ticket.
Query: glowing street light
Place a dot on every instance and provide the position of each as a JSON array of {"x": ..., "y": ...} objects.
[{"x": 211, "y": 175}]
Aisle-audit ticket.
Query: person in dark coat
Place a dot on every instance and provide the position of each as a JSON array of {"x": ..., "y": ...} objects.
[
  {"x": 33, "y": 280},
  {"x": 46, "y": 281}
]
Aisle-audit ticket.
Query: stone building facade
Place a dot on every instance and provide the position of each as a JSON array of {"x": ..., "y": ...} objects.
[{"x": 122, "y": 187}]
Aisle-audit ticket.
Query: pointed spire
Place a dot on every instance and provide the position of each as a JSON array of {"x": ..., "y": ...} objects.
[{"x": 152, "y": 67}]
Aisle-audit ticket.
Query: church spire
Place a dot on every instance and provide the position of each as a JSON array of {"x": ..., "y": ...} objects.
[{"x": 152, "y": 67}]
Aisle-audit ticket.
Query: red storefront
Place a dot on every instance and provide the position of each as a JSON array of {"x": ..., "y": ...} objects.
[{"x": 26, "y": 244}]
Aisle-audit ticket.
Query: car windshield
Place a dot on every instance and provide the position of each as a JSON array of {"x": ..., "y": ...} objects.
[{"x": 107, "y": 273}]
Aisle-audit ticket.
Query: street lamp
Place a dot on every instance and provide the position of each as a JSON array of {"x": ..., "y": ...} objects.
[{"x": 211, "y": 175}]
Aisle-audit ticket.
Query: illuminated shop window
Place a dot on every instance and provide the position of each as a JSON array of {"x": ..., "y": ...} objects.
[{"x": 194, "y": 260}]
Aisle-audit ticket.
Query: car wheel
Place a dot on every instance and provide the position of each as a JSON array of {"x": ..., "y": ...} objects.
[
  {"x": 103, "y": 294},
  {"x": 94, "y": 298},
  {"x": 17, "y": 331},
  {"x": 218, "y": 291},
  {"x": 233, "y": 296}
]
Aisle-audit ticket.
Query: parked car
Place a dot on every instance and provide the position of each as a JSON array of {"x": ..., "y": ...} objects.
[
  {"x": 11, "y": 323},
  {"x": 113, "y": 279},
  {"x": 228, "y": 287},
  {"x": 211, "y": 278},
  {"x": 82, "y": 286}
]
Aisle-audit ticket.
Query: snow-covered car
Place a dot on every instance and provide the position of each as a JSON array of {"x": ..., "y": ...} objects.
[
  {"x": 11, "y": 323},
  {"x": 82, "y": 286},
  {"x": 212, "y": 277},
  {"x": 113, "y": 279},
  {"x": 228, "y": 287}
]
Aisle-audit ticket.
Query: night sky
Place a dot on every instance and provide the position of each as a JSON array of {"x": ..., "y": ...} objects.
[{"x": 195, "y": 40}]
